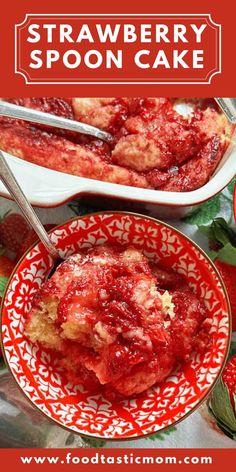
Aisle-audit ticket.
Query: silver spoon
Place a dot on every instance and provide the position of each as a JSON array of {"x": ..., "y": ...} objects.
[
  {"x": 18, "y": 195},
  {"x": 228, "y": 106},
  {"x": 34, "y": 116},
  {"x": 16, "y": 192}
]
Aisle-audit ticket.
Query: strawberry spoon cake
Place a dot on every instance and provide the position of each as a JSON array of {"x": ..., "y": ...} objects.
[
  {"x": 154, "y": 145},
  {"x": 117, "y": 322}
]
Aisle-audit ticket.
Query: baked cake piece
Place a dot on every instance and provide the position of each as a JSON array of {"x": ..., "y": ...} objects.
[
  {"x": 111, "y": 324},
  {"x": 154, "y": 146}
]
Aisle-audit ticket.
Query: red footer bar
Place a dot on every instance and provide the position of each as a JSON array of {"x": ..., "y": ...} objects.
[{"x": 112, "y": 459}]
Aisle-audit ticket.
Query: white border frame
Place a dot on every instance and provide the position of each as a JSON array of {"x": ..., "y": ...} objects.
[{"x": 208, "y": 15}]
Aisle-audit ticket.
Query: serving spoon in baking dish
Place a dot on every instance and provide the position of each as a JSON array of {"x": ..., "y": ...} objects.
[
  {"x": 34, "y": 116},
  {"x": 228, "y": 106},
  {"x": 10, "y": 182}
]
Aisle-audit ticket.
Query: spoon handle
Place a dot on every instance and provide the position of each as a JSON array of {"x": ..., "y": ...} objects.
[
  {"x": 228, "y": 105},
  {"x": 35, "y": 116},
  {"x": 12, "y": 185}
]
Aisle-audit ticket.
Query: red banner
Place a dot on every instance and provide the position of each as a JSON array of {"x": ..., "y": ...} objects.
[
  {"x": 114, "y": 49},
  {"x": 164, "y": 48}
]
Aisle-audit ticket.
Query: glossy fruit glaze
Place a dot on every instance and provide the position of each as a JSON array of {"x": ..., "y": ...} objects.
[
  {"x": 118, "y": 323},
  {"x": 154, "y": 146}
]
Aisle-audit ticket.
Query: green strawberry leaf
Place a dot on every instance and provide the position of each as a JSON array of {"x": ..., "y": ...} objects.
[
  {"x": 220, "y": 233},
  {"x": 80, "y": 208},
  {"x": 217, "y": 231},
  {"x": 222, "y": 408},
  {"x": 94, "y": 442},
  {"x": 206, "y": 230},
  {"x": 231, "y": 186},
  {"x": 223, "y": 427},
  {"x": 205, "y": 212},
  {"x": 213, "y": 255},
  {"x": 161, "y": 436},
  {"x": 221, "y": 226},
  {"x": 225, "y": 237},
  {"x": 3, "y": 284},
  {"x": 232, "y": 349},
  {"x": 226, "y": 254}
]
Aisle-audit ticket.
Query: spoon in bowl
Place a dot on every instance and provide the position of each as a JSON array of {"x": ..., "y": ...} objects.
[
  {"x": 20, "y": 198},
  {"x": 18, "y": 195}
]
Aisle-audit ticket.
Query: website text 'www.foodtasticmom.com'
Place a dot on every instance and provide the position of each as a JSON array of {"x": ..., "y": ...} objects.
[{"x": 125, "y": 459}]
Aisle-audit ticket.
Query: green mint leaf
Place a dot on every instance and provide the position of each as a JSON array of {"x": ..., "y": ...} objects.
[
  {"x": 94, "y": 442},
  {"x": 220, "y": 233},
  {"x": 205, "y": 212},
  {"x": 206, "y": 230},
  {"x": 219, "y": 224},
  {"x": 232, "y": 349},
  {"x": 161, "y": 435},
  {"x": 223, "y": 232},
  {"x": 80, "y": 208},
  {"x": 222, "y": 222},
  {"x": 227, "y": 254},
  {"x": 223, "y": 427},
  {"x": 213, "y": 255},
  {"x": 221, "y": 406},
  {"x": 2, "y": 364},
  {"x": 3, "y": 284},
  {"x": 231, "y": 186}
]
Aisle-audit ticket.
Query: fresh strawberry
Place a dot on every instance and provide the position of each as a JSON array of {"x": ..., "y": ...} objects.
[
  {"x": 6, "y": 268},
  {"x": 31, "y": 238},
  {"x": 222, "y": 242},
  {"x": 222, "y": 403},
  {"x": 228, "y": 274},
  {"x": 229, "y": 379},
  {"x": 13, "y": 230}
]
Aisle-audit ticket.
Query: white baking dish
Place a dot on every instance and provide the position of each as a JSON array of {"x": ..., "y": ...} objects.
[{"x": 48, "y": 188}]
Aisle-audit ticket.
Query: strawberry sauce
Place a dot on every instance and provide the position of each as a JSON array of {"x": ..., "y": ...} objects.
[
  {"x": 117, "y": 323},
  {"x": 154, "y": 146}
]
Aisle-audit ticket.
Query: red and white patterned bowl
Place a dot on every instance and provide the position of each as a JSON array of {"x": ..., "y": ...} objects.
[{"x": 71, "y": 406}]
